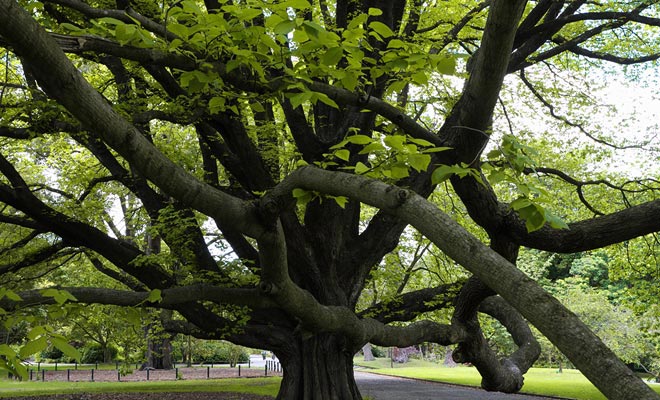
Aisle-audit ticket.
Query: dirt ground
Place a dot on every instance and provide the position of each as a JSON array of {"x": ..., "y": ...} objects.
[
  {"x": 85, "y": 375},
  {"x": 149, "y": 396}
]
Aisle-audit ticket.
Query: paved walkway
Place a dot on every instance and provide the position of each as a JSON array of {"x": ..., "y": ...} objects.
[{"x": 381, "y": 387}]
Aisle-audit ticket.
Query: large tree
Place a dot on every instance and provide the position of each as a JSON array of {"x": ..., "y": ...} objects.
[{"x": 279, "y": 122}]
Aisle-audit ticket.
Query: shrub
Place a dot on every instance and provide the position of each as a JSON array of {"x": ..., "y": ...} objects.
[
  {"x": 93, "y": 353},
  {"x": 378, "y": 352}
]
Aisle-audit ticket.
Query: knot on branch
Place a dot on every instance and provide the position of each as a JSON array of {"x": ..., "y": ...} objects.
[
  {"x": 402, "y": 195},
  {"x": 267, "y": 288},
  {"x": 269, "y": 210}
]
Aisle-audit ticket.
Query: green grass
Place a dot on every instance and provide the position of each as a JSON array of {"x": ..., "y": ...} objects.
[
  {"x": 262, "y": 386},
  {"x": 545, "y": 381}
]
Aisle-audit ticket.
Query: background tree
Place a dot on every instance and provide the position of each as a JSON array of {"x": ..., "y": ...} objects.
[{"x": 277, "y": 123}]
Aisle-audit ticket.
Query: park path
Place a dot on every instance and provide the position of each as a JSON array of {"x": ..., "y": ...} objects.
[{"x": 382, "y": 387}]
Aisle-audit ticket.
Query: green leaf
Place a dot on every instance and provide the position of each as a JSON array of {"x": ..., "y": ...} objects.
[
  {"x": 555, "y": 221},
  {"x": 325, "y": 99},
  {"x": 65, "y": 347},
  {"x": 36, "y": 332},
  {"x": 341, "y": 201},
  {"x": 396, "y": 44},
  {"x": 395, "y": 142},
  {"x": 420, "y": 162},
  {"x": 373, "y": 147},
  {"x": 70, "y": 27},
  {"x": 33, "y": 347},
  {"x": 360, "y": 139},
  {"x": 360, "y": 168},
  {"x": 374, "y": 12},
  {"x": 302, "y": 196},
  {"x": 520, "y": 203},
  {"x": 343, "y": 154},
  {"x": 284, "y": 27},
  {"x": 60, "y": 296},
  {"x": 399, "y": 171},
  {"x": 7, "y": 351},
  {"x": 381, "y": 29},
  {"x": 299, "y": 98},
  {"x": 217, "y": 104},
  {"x": 420, "y": 78},
  {"x": 442, "y": 173},
  {"x": 111, "y": 21},
  {"x": 154, "y": 296},
  {"x": 446, "y": 65},
  {"x": 420, "y": 142},
  {"x": 297, "y": 4},
  {"x": 9, "y": 294},
  {"x": 248, "y": 14},
  {"x": 125, "y": 33},
  {"x": 332, "y": 56},
  {"x": 534, "y": 216}
]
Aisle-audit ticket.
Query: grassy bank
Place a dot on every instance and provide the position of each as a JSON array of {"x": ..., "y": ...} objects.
[
  {"x": 262, "y": 386},
  {"x": 545, "y": 381}
]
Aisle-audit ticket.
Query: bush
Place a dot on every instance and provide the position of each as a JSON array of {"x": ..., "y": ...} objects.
[
  {"x": 223, "y": 352},
  {"x": 378, "y": 352},
  {"x": 93, "y": 353},
  {"x": 51, "y": 354}
]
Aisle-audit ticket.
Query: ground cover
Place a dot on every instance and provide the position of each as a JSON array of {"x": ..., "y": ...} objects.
[
  {"x": 545, "y": 381},
  {"x": 256, "y": 386}
]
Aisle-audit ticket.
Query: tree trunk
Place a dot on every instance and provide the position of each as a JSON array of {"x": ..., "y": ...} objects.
[
  {"x": 322, "y": 369},
  {"x": 368, "y": 355},
  {"x": 107, "y": 353},
  {"x": 449, "y": 360},
  {"x": 159, "y": 353}
]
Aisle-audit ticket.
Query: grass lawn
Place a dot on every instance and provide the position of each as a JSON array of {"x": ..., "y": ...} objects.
[
  {"x": 262, "y": 386},
  {"x": 545, "y": 381}
]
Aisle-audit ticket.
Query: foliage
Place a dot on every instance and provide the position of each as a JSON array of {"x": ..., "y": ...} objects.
[{"x": 95, "y": 353}]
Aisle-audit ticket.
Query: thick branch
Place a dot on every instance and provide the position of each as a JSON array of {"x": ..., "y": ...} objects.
[
  {"x": 556, "y": 322},
  {"x": 409, "y": 305},
  {"x": 170, "y": 298}
]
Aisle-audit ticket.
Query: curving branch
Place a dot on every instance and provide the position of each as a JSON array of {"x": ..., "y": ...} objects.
[{"x": 565, "y": 329}]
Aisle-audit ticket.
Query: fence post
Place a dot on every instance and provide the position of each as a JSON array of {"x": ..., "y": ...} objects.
[
  {"x": 43, "y": 375},
  {"x": 68, "y": 374},
  {"x": 31, "y": 371},
  {"x": 176, "y": 373},
  {"x": 147, "y": 373},
  {"x": 208, "y": 372},
  {"x": 266, "y": 370},
  {"x": 118, "y": 375},
  {"x": 239, "y": 369},
  {"x": 92, "y": 375}
]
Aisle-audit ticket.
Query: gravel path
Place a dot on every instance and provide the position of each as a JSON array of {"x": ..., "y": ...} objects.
[
  {"x": 382, "y": 387},
  {"x": 373, "y": 386}
]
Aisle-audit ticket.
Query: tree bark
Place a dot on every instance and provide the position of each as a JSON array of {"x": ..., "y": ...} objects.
[{"x": 321, "y": 369}]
